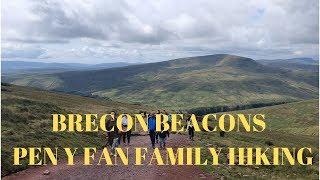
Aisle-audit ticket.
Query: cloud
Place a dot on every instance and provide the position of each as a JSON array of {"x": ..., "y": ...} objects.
[
  {"x": 140, "y": 30},
  {"x": 49, "y": 21},
  {"x": 10, "y": 51}
]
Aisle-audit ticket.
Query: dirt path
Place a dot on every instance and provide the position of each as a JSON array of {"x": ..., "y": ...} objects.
[{"x": 79, "y": 171}]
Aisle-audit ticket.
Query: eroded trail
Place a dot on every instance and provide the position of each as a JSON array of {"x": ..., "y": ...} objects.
[{"x": 79, "y": 171}]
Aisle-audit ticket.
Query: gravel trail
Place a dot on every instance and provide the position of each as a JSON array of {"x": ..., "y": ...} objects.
[{"x": 148, "y": 172}]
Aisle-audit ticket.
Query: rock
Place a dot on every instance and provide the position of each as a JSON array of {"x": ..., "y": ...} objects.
[{"x": 46, "y": 172}]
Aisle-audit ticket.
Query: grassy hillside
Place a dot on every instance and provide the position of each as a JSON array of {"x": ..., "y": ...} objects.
[
  {"x": 288, "y": 125},
  {"x": 185, "y": 83},
  {"x": 26, "y": 120}
]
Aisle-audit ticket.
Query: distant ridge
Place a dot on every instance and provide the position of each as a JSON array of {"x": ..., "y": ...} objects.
[
  {"x": 16, "y": 67},
  {"x": 185, "y": 83},
  {"x": 292, "y": 60},
  {"x": 305, "y": 64}
]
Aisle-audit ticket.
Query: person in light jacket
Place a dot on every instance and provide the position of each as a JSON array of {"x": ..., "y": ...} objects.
[{"x": 126, "y": 134}]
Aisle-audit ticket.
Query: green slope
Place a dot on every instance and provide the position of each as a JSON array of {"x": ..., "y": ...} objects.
[
  {"x": 288, "y": 125},
  {"x": 299, "y": 118},
  {"x": 291, "y": 125},
  {"x": 26, "y": 121},
  {"x": 185, "y": 83}
]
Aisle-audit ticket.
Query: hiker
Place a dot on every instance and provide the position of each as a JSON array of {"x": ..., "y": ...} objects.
[
  {"x": 152, "y": 128},
  {"x": 113, "y": 136},
  {"x": 125, "y": 134},
  {"x": 115, "y": 144},
  {"x": 190, "y": 129},
  {"x": 157, "y": 137},
  {"x": 157, "y": 133},
  {"x": 109, "y": 125},
  {"x": 162, "y": 137},
  {"x": 169, "y": 121}
]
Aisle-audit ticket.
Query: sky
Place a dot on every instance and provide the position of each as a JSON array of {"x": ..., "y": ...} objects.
[{"x": 105, "y": 31}]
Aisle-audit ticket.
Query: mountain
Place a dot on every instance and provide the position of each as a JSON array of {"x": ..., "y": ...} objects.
[
  {"x": 26, "y": 120},
  {"x": 185, "y": 83},
  {"x": 25, "y": 67},
  {"x": 298, "y": 64}
]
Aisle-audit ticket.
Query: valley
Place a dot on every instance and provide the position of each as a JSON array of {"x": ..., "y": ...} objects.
[
  {"x": 204, "y": 84},
  {"x": 185, "y": 83}
]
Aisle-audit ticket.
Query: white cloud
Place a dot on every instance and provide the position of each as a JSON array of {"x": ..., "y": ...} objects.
[{"x": 136, "y": 30}]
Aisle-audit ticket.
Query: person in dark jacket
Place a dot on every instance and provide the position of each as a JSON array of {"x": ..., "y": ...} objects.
[
  {"x": 152, "y": 128},
  {"x": 162, "y": 137},
  {"x": 109, "y": 126},
  {"x": 157, "y": 133},
  {"x": 115, "y": 144},
  {"x": 169, "y": 121},
  {"x": 113, "y": 136},
  {"x": 190, "y": 129}
]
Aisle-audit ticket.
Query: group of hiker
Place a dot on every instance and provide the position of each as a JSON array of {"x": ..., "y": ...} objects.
[{"x": 115, "y": 136}]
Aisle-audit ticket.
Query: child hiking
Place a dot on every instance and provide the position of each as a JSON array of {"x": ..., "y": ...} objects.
[{"x": 162, "y": 137}]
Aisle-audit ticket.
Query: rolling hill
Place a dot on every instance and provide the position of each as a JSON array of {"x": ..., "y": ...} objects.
[
  {"x": 184, "y": 83},
  {"x": 26, "y": 120}
]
